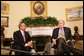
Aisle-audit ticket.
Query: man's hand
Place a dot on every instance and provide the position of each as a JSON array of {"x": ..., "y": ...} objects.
[
  {"x": 67, "y": 41},
  {"x": 54, "y": 41},
  {"x": 29, "y": 43},
  {"x": 73, "y": 40}
]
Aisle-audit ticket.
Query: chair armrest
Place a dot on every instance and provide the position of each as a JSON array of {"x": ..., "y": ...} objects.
[
  {"x": 71, "y": 43},
  {"x": 11, "y": 44}
]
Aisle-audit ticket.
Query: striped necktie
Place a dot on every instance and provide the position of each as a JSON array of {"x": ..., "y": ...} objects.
[
  {"x": 24, "y": 36},
  {"x": 62, "y": 34}
]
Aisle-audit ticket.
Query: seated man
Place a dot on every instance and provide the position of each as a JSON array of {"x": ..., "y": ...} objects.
[
  {"x": 61, "y": 35},
  {"x": 22, "y": 40}
]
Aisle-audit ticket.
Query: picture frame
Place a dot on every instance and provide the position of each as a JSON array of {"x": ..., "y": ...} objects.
[
  {"x": 74, "y": 13},
  {"x": 38, "y": 8},
  {"x": 4, "y": 8},
  {"x": 4, "y": 21}
]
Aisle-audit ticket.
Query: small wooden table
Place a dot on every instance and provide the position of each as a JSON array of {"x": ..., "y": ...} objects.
[
  {"x": 79, "y": 37},
  {"x": 6, "y": 40}
]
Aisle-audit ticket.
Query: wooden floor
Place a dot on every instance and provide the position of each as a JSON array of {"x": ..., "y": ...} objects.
[{"x": 78, "y": 44}]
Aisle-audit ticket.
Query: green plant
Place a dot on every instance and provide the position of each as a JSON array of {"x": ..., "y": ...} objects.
[{"x": 40, "y": 21}]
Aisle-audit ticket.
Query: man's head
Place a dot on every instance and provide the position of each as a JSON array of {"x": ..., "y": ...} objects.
[
  {"x": 22, "y": 26},
  {"x": 61, "y": 23}
]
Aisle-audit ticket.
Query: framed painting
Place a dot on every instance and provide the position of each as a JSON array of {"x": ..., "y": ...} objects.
[
  {"x": 4, "y": 8},
  {"x": 4, "y": 21},
  {"x": 38, "y": 8},
  {"x": 75, "y": 13}
]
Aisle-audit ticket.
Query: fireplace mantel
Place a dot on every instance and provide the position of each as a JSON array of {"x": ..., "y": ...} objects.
[
  {"x": 34, "y": 31},
  {"x": 41, "y": 35}
]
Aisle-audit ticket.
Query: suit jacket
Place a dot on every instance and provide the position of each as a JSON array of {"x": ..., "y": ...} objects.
[
  {"x": 18, "y": 38},
  {"x": 67, "y": 33}
]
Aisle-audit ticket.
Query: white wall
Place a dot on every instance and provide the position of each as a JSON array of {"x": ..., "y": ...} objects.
[
  {"x": 20, "y": 9},
  {"x": 17, "y": 11}
]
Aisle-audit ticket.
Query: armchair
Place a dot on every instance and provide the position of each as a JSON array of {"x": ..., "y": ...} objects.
[{"x": 13, "y": 47}]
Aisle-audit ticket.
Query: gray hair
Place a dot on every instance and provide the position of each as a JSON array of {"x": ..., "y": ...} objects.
[{"x": 62, "y": 21}]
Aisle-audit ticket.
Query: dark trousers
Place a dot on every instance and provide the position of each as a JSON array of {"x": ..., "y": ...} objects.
[{"x": 61, "y": 48}]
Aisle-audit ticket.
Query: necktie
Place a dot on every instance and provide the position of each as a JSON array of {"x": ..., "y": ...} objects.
[
  {"x": 62, "y": 34},
  {"x": 24, "y": 36}
]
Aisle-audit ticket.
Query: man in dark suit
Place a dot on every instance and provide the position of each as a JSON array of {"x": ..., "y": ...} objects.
[
  {"x": 61, "y": 35},
  {"x": 22, "y": 39}
]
